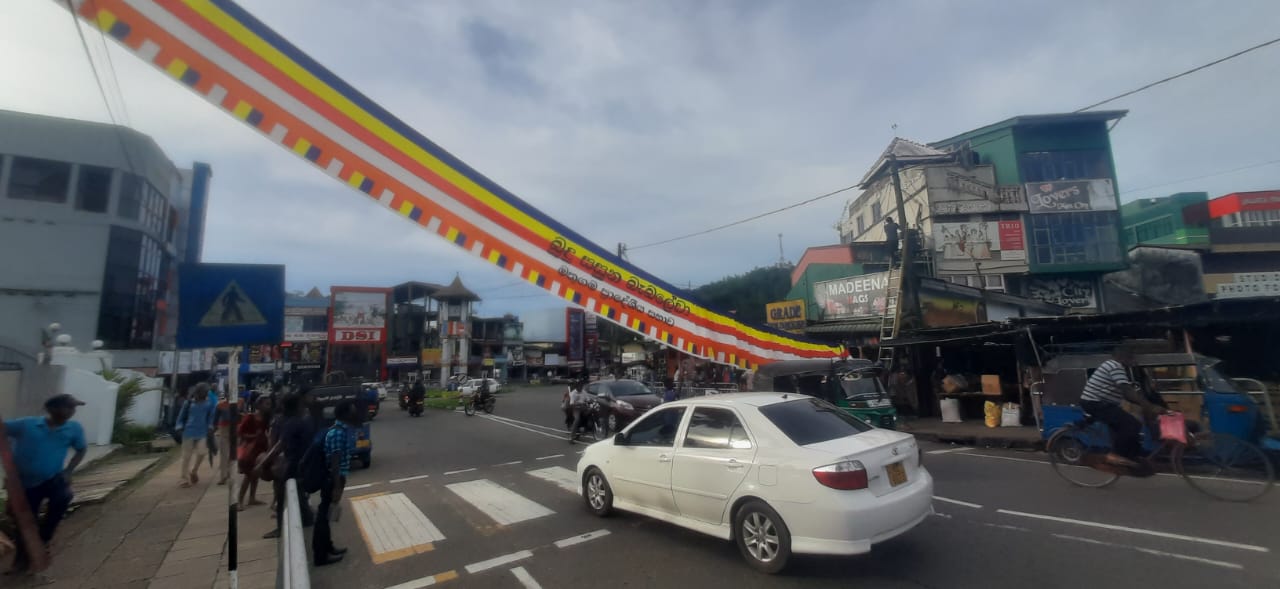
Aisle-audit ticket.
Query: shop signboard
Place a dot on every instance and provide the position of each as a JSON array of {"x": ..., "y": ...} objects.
[
  {"x": 1064, "y": 291},
  {"x": 294, "y": 330},
  {"x": 533, "y": 357},
  {"x": 986, "y": 240},
  {"x": 184, "y": 359},
  {"x": 516, "y": 355},
  {"x": 553, "y": 360},
  {"x": 1250, "y": 284},
  {"x": 948, "y": 310},
  {"x": 402, "y": 361},
  {"x": 854, "y": 296},
  {"x": 359, "y": 315},
  {"x": 574, "y": 334},
  {"x": 1071, "y": 196},
  {"x": 786, "y": 315},
  {"x": 431, "y": 356}
]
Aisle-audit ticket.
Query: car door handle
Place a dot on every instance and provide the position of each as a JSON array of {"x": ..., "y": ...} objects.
[
  {"x": 733, "y": 464},
  {"x": 664, "y": 458}
]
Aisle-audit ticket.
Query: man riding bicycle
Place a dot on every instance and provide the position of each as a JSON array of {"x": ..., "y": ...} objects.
[{"x": 1107, "y": 388}]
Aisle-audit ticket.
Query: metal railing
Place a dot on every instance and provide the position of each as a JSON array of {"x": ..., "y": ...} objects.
[{"x": 292, "y": 572}]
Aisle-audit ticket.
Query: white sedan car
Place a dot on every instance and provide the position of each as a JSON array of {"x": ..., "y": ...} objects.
[
  {"x": 777, "y": 473},
  {"x": 471, "y": 386}
]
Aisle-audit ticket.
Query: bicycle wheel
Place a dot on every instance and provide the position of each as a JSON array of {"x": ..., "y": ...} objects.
[
  {"x": 469, "y": 407},
  {"x": 1074, "y": 460},
  {"x": 1225, "y": 467}
]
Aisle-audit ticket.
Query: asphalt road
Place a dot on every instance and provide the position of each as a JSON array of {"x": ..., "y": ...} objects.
[{"x": 1004, "y": 519}]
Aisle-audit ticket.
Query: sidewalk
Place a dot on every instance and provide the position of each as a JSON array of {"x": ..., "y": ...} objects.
[{"x": 159, "y": 535}]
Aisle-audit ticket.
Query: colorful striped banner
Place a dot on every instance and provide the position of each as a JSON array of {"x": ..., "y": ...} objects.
[{"x": 239, "y": 64}]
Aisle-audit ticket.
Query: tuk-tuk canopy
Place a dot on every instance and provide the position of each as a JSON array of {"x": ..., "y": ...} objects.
[{"x": 790, "y": 370}]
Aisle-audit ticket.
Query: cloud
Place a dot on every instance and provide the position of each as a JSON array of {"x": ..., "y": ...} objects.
[{"x": 633, "y": 122}]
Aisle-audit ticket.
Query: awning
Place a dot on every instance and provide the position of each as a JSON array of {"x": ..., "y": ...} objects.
[{"x": 858, "y": 326}]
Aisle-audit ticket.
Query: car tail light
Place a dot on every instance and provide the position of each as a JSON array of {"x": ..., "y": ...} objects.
[
  {"x": 1237, "y": 408},
  {"x": 849, "y": 475}
]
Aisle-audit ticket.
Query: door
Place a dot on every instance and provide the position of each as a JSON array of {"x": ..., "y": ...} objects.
[
  {"x": 641, "y": 472},
  {"x": 713, "y": 459}
]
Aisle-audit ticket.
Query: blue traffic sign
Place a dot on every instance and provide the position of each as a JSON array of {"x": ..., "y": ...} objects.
[{"x": 230, "y": 304}]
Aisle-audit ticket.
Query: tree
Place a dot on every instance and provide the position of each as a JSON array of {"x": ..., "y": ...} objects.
[{"x": 747, "y": 294}]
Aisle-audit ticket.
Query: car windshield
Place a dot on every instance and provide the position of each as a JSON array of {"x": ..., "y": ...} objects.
[
  {"x": 860, "y": 386},
  {"x": 812, "y": 421},
  {"x": 628, "y": 388}
]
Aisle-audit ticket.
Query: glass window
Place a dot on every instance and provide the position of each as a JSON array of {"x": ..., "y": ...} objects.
[
  {"x": 877, "y": 212},
  {"x": 39, "y": 180},
  {"x": 812, "y": 421},
  {"x": 657, "y": 429},
  {"x": 1075, "y": 238},
  {"x": 1047, "y": 166},
  {"x": 93, "y": 189},
  {"x": 715, "y": 429},
  {"x": 862, "y": 225},
  {"x": 130, "y": 197}
]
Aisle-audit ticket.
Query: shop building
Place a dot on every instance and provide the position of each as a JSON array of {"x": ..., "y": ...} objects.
[
  {"x": 306, "y": 336},
  {"x": 94, "y": 220},
  {"x": 1164, "y": 221}
]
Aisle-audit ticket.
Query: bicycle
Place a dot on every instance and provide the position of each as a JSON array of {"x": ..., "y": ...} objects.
[{"x": 1221, "y": 466}]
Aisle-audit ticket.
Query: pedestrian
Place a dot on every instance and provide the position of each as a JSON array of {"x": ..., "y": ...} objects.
[
  {"x": 669, "y": 392},
  {"x": 195, "y": 421},
  {"x": 222, "y": 438},
  {"x": 39, "y": 452},
  {"x": 294, "y": 432},
  {"x": 252, "y": 438},
  {"x": 578, "y": 401},
  {"x": 339, "y": 445},
  {"x": 891, "y": 237}
]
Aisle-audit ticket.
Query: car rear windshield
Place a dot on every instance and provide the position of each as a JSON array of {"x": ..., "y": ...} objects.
[{"x": 812, "y": 421}]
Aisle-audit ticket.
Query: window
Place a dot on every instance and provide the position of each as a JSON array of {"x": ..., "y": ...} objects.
[
  {"x": 136, "y": 277},
  {"x": 862, "y": 225},
  {"x": 1258, "y": 218},
  {"x": 130, "y": 197},
  {"x": 988, "y": 281},
  {"x": 1075, "y": 238},
  {"x": 657, "y": 429},
  {"x": 93, "y": 189},
  {"x": 171, "y": 231},
  {"x": 39, "y": 180},
  {"x": 1047, "y": 166},
  {"x": 715, "y": 429},
  {"x": 876, "y": 212},
  {"x": 812, "y": 421}
]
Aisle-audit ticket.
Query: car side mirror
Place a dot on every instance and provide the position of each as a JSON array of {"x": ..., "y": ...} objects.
[{"x": 620, "y": 439}]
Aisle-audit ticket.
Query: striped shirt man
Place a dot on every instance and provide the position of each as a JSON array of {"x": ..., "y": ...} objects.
[{"x": 1109, "y": 384}]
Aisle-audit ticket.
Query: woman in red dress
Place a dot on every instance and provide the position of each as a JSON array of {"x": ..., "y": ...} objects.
[{"x": 252, "y": 434}]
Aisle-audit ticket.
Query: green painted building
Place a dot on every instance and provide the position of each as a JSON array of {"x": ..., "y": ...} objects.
[{"x": 1162, "y": 221}]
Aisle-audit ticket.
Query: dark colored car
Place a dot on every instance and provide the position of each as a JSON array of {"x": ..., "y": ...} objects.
[{"x": 622, "y": 401}]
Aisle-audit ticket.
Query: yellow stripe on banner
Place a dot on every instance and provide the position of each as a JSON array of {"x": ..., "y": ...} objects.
[
  {"x": 405, "y": 208},
  {"x": 301, "y": 147},
  {"x": 568, "y": 294},
  {"x": 604, "y": 309},
  {"x": 533, "y": 276},
  {"x": 242, "y": 110},
  {"x": 493, "y": 256},
  {"x": 355, "y": 180},
  {"x": 451, "y": 234},
  {"x": 106, "y": 19},
  {"x": 176, "y": 68}
]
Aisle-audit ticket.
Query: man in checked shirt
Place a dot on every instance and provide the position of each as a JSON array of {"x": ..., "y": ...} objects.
[{"x": 339, "y": 445}]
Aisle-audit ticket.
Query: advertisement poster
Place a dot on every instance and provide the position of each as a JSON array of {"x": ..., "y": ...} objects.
[
  {"x": 575, "y": 340},
  {"x": 359, "y": 315},
  {"x": 941, "y": 310},
  {"x": 855, "y": 296},
  {"x": 1073, "y": 293},
  {"x": 786, "y": 315},
  {"x": 1071, "y": 196},
  {"x": 295, "y": 330},
  {"x": 988, "y": 240}
]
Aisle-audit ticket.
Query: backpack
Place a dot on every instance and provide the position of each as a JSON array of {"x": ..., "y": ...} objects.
[{"x": 313, "y": 469}]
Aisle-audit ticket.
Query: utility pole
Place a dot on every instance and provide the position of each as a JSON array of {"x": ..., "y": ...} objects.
[
  {"x": 622, "y": 251},
  {"x": 906, "y": 291}
]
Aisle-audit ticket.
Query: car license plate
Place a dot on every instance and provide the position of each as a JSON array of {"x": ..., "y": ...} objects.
[
  {"x": 897, "y": 474},
  {"x": 365, "y": 444}
]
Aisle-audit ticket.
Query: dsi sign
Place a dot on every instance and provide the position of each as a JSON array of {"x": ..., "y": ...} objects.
[
  {"x": 230, "y": 305},
  {"x": 786, "y": 315}
]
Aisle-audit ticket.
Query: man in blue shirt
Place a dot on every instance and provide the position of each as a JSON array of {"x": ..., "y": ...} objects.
[
  {"x": 40, "y": 448},
  {"x": 669, "y": 393},
  {"x": 195, "y": 421},
  {"x": 339, "y": 445}
]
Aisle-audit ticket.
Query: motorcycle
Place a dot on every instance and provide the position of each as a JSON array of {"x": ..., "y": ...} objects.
[
  {"x": 415, "y": 408},
  {"x": 469, "y": 403},
  {"x": 593, "y": 421},
  {"x": 404, "y": 401}
]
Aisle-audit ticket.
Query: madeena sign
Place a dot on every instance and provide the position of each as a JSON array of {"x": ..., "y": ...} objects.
[{"x": 855, "y": 296}]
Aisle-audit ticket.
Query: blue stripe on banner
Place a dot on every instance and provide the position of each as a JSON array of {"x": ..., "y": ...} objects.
[
  {"x": 313, "y": 153},
  {"x": 461, "y": 238},
  {"x": 255, "y": 117},
  {"x": 119, "y": 30},
  {"x": 415, "y": 214},
  {"x": 502, "y": 260},
  {"x": 366, "y": 186},
  {"x": 542, "y": 281}
]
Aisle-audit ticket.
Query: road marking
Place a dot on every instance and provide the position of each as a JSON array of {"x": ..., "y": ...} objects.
[
  {"x": 561, "y": 437},
  {"x": 1009, "y": 458},
  {"x": 393, "y": 527},
  {"x": 558, "y": 430},
  {"x": 358, "y": 487},
  {"x": 957, "y": 502},
  {"x": 1154, "y": 533},
  {"x": 1217, "y": 563},
  {"x": 558, "y": 475},
  {"x": 485, "y": 565},
  {"x": 942, "y": 515},
  {"x": 459, "y": 471},
  {"x": 1007, "y": 527},
  {"x": 525, "y": 578},
  {"x": 406, "y": 479},
  {"x": 427, "y": 581},
  {"x": 580, "y": 538},
  {"x": 949, "y": 450},
  {"x": 501, "y": 505},
  {"x": 550, "y": 457},
  {"x": 509, "y": 463}
]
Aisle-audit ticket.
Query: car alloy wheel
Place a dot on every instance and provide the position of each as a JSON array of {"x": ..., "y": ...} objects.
[
  {"x": 597, "y": 493},
  {"x": 762, "y": 537}
]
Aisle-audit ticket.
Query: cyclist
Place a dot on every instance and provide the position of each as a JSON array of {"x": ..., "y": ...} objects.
[{"x": 1107, "y": 388}]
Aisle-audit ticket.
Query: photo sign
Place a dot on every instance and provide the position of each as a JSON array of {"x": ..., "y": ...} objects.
[
  {"x": 1071, "y": 196},
  {"x": 855, "y": 296},
  {"x": 1000, "y": 240}
]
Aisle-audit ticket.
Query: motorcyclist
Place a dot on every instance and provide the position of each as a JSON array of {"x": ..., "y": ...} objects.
[
  {"x": 482, "y": 392},
  {"x": 417, "y": 394}
]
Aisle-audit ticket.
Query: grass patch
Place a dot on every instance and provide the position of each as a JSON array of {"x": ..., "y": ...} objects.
[
  {"x": 438, "y": 403},
  {"x": 441, "y": 394}
]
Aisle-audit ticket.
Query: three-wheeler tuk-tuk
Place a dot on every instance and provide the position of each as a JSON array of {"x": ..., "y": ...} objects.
[
  {"x": 851, "y": 384},
  {"x": 325, "y": 398}
]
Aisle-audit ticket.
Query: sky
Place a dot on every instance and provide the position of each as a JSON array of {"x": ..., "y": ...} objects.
[{"x": 633, "y": 122}]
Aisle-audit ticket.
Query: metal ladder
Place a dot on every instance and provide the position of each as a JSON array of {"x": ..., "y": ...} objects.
[{"x": 889, "y": 320}]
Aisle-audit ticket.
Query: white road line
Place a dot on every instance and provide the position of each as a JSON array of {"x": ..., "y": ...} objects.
[
  {"x": 358, "y": 487},
  {"x": 957, "y": 502},
  {"x": 949, "y": 450},
  {"x": 942, "y": 515},
  {"x": 1157, "y": 534},
  {"x": 485, "y": 565},
  {"x": 1007, "y": 527},
  {"x": 426, "y": 581},
  {"x": 1009, "y": 458},
  {"x": 499, "y": 503},
  {"x": 406, "y": 479},
  {"x": 525, "y": 578},
  {"x": 561, "y": 437},
  {"x": 1217, "y": 563},
  {"x": 580, "y": 538},
  {"x": 394, "y": 527},
  {"x": 509, "y": 463},
  {"x": 558, "y": 430},
  {"x": 1159, "y": 474},
  {"x": 550, "y": 457},
  {"x": 459, "y": 471},
  {"x": 558, "y": 475}
]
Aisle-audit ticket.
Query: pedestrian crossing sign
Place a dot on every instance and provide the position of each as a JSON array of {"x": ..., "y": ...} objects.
[{"x": 232, "y": 307}]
